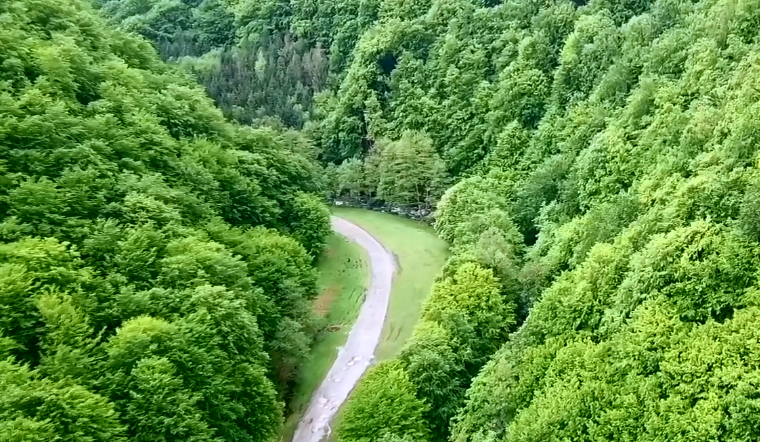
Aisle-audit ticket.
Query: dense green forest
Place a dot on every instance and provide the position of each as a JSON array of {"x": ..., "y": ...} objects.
[
  {"x": 155, "y": 259},
  {"x": 592, "y": 165},
  {"x": 256, "y": 71},
  {"x": 604, "y": 218}
]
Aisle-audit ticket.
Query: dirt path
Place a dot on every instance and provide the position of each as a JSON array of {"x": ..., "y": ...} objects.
[{"x": 358, "y": 352}]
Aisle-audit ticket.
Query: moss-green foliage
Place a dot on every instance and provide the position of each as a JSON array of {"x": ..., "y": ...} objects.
[
  {"x": 409, "y": 172},
  {"x": 405, "y": 173},
  {"x": 606, "y": 159},
  {"x": 465, "y": 319},
  {"x": 35, "y": 408},
  {"x": 472, "y": 297},
  {"x": 605, "y": 211},
  {"x": 155, "y": 259},
  {"x": 384, "y": 405},
  {"x": 309, "y": 222}
]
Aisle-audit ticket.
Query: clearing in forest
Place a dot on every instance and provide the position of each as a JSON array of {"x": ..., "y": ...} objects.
[{"x": 420, "y": 255}]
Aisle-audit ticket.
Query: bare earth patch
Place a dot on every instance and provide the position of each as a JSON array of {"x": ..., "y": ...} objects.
[{"x": 322, "y": 303}]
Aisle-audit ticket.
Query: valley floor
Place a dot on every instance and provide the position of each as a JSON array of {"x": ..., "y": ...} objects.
[
  {"x": 418, "y": 254},
  {"x": 343, "y": 275}
]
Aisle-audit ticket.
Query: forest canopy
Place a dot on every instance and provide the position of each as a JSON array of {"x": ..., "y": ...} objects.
[
  {"x": 593, "y": 166},
  {"x": 602, "y": 209},
  {"x": 155, "y": 259}
]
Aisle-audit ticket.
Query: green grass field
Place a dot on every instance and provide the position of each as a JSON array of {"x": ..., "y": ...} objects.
[
  {"x": 343, "y": 278},
  {"x": 420, "y": 255}
]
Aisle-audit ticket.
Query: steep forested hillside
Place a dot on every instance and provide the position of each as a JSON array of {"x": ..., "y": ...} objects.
[
  {"x": 256, "y": 68},
  {"x": 604, "y": 217},
  {"x": 594, "y": 166},
  {"x": 155, "y": 260}
]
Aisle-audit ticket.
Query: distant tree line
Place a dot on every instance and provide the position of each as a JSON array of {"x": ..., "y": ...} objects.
[
  {"x": 261, "y": 62},
  {"x": 405, "y": 173}
]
